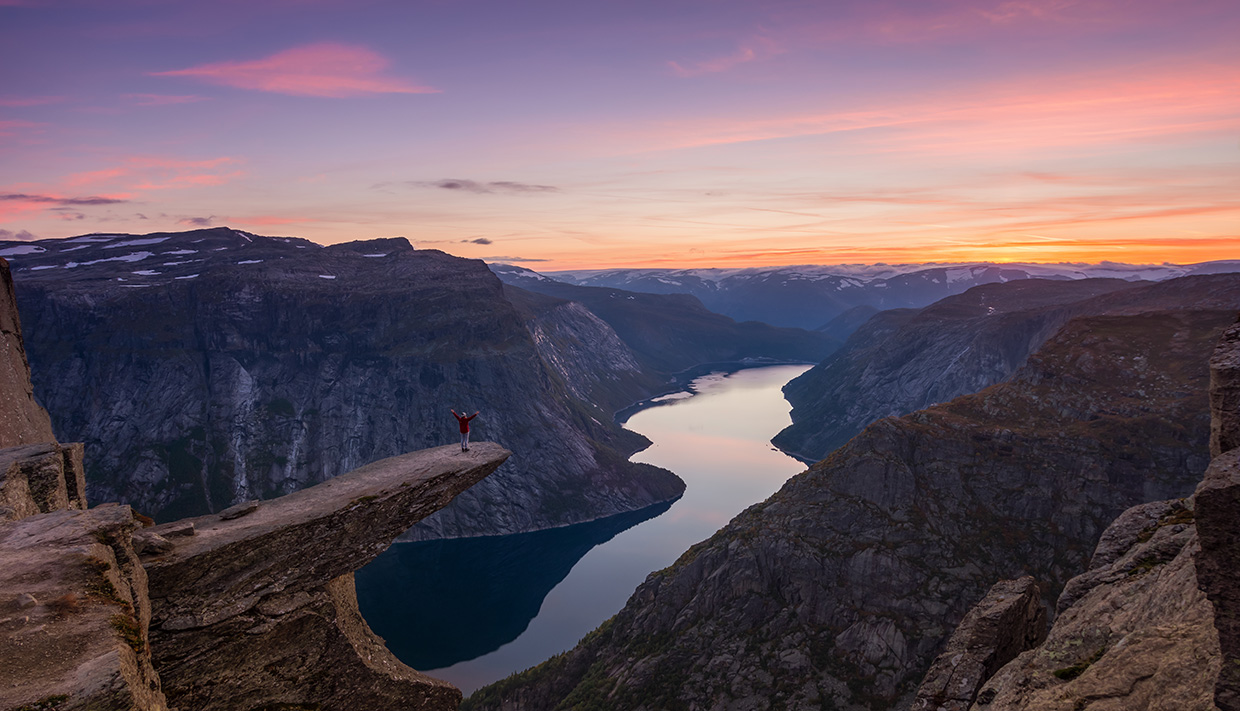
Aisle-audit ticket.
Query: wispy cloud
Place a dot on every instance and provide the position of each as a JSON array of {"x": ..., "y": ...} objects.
[
  {"x": 62, "y": 201},
  {"x": 328, "y": 70},
  {"x": 24, "y": 101},
  {"x": 477, "y": 240},
  {"x": 162, "y": 99},
  {"x": 11, "y": 127},
  {"x": 1044, "y": 112},
  {"x": 161, "y": 173},
  {"x": 20, "y": 235},
  {"x": 757, "y": 48},
  {"x": 197, "y": 221},
  {"x": 513, "y": 259},
  {"x": 474, "y": 186}
]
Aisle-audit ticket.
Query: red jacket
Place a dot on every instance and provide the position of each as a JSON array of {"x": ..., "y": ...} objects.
[{"x": 464, "y": 421}]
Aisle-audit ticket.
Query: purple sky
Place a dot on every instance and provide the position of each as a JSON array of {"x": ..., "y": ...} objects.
[{"x": 636, "y": 133}]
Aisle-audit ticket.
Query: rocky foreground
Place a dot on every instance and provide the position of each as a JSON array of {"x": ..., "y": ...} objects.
[{"x": 839, "y": 590}]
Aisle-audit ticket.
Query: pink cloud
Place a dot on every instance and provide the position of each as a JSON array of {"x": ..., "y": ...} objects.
[
  {"x": 162, "y": 99},
  {"x": 160, "y": 173},
  {"x": 1025, "y": 116},
  {"x": 10, "y": 128},
  {"x": 758, "y": 48},
  {"x": 24, "y": 101},
  {"x": 327, "y": 70}
]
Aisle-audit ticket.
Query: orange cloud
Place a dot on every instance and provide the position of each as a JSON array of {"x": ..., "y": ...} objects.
[
  {"x": 161, "y": 173},
  {"x": 324, "y": 70}
]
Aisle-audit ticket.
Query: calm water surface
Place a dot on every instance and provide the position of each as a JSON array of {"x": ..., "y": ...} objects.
[{"x": 473, "y": 611}]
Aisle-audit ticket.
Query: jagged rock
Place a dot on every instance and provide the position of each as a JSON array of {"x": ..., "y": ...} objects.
[
  {"x": 1218, "y": 523},
  {"x": 1137, "y": 634},
  {"x": 260, "y": 610},
  {"x": 22, "y": 421},
  {"x": 242, "y": 509},
  {"x": 40, "y": 478},
  {"x": 150, "y": 543},
  {"x": 175, "y": 529},
  {"x": 1008, "y": 621},
  {"x": 1225, "y": 393},
  {"x": 85, "y": 637}
]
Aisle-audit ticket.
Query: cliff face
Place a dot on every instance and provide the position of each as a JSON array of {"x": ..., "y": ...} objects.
[
  {"x": 839, "y": 588},
  {"x": 22, "y": 421},
  {"x": 672, "y": 332},
  {"x": 206, "y": 368},
  {"x": 902, "y": 361},
  {"x": 1152, "y": 624}
]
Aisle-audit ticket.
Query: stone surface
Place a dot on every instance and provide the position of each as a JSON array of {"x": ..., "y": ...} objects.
[
  {"x": 22, "y": 420},
  {"x": 1008, "y": 621},
  {"x": 74, "y": 613},
  {"x": 1225, "y": 393},
  {"x": 1218, "y": 523},
  {"x": 40, "y": 478},
  {"x": 1137, "y": 634},
  {"x": 842, "y": 587},
  {"x": 260, "y": 610}
]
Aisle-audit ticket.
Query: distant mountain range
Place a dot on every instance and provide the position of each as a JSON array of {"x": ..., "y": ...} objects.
[{"x": 812, "y": 296}]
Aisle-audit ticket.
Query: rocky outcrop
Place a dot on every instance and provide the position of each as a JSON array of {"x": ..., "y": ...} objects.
[
  {"x": 1152, "y": 624},
  {"x": 22, "y": 421},
  {"x": 1008, "y": 621},
  {"x": 257, "y": 606},
  {"x": 207, "y": 368},
  {"x": 1225, "y": 393},
  {"x": 1218, "y": 516},
  {"x": 902, "y": 361},
  {"x": 41, "y": 478},
  {"x": 843, "y": 586},
  {"x": 74, "y": 614},
  {"x": 1134, "y": 632}
]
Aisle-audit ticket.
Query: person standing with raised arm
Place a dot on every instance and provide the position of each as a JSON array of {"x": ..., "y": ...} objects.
[{"x": 463, "y": 421}]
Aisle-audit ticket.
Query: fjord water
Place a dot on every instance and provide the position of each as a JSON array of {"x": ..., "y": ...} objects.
[{"x": 475, "y": 610}]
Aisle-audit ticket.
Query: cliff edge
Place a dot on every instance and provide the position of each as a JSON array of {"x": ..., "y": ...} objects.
[
  {"x": 249, "y": 608},
  {"x": 1154, "y": 622}
]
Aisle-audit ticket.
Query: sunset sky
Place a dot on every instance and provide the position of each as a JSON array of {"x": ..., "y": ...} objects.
[{"x": 585, "y": 134}]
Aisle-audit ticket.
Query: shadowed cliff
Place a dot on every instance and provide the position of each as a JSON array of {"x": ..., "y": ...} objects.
[{"x": 205, "y": 368}]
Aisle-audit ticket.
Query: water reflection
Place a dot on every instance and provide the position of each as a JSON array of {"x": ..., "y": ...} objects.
[{"x": 437, "y": 603}]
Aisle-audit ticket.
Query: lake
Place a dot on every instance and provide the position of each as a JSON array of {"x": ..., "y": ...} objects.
[{"x": 474, "y": 610}]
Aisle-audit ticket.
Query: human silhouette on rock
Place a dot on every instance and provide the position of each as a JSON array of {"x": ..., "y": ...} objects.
[{"x": 463, "y": 421}]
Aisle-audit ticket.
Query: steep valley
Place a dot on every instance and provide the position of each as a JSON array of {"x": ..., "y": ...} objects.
[{"x": 837, "y": 591}]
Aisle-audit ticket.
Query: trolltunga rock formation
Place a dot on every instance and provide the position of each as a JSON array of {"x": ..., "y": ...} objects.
[{"x": 256, "y": 606}]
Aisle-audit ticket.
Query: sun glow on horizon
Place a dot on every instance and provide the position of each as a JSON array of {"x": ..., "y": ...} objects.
[{"x": 746, "y": 135}]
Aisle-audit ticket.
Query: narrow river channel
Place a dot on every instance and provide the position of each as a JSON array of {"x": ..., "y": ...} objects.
[{"x": 472, "y": 611}]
